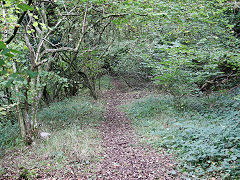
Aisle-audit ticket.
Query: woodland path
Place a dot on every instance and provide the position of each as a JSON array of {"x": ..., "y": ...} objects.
[{"x": 124, "y": 157}]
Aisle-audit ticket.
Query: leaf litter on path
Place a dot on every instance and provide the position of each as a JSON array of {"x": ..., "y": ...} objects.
[{"x": 124, "y": 158}]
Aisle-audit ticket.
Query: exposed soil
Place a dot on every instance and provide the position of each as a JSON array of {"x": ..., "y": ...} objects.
[{"x": 124, "y": 157}]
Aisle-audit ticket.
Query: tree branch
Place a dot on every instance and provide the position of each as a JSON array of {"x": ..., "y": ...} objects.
[
  {"x": 17, "y": 26},
  {"x": 43, "y": 39},
  {"x": 57, "y": 50},
  {"x": 122, "y": 15}
]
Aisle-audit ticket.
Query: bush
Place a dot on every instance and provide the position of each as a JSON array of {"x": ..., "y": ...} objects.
[{"x": 203, "y": 132}]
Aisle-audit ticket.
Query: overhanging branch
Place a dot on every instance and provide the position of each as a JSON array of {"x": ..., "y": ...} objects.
[{"x": 17, "y": 26}]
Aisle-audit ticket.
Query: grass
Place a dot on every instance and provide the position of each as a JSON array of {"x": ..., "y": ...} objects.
[
  {"x": 80, "y": 111},
  {"x": 74, "y": 140},
  {"x": 9, "y": 135},
  {"x": 203, "y": 132}
]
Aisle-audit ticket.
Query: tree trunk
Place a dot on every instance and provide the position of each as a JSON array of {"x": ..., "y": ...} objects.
[
  {"x": 89, "y": 84},
  {"x": 18, "y": 109}
]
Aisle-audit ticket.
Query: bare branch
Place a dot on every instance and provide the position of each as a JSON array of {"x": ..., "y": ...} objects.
[
  {"x": 83, "y": 28},
  {"x": 40, "y": 63},
  {"x": 63, "y": 49},
  {"x": 43, "y": 39},
  {"x": 31, "y": 49},
  {"x": 122, "y": 15},
  {"x": 57, "y": 50},
  {"x": 71, "y": 14}
]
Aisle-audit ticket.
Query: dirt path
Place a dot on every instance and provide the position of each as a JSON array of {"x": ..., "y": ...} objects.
[{"x": 124, "y": 158}]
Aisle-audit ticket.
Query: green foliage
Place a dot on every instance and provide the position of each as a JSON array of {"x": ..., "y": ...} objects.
[
  {"x": 25, "y": 7},
  {"x": 191, "y": 49},
  {"x": 202, "y": 131},
  {"x": 183, "y": 45}
]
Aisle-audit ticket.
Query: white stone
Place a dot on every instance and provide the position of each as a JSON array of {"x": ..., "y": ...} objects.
[{"x": 45, "y": 135}]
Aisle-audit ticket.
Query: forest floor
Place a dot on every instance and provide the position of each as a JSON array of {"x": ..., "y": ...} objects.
[{"x": 123, "y": 155}]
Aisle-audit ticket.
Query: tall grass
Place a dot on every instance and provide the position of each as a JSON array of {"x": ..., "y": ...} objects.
[
  {"x": 9, "y": 135},
  {"x": 78, "y": 111},
  {"x": 74, "y": 138},
  {"x": 72, "y": 124}
]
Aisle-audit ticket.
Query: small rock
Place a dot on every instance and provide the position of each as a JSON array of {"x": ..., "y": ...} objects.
[
  {"x": 45, "y": 135},
  {"x": 174, "y": 173}
]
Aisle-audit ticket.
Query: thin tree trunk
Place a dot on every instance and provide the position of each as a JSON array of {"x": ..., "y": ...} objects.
[
  {"x": 26, "y": 106},
  {"x": 36, "y": 98},
  {"x": 34, "y": 115},
  {"x": 92, "y": 88},
  {"x": 18, "y": 109},
  {"x": 27, "y": 120},
  {"x": 20, "y": 121},
  {"x": 99, "y": 83}
]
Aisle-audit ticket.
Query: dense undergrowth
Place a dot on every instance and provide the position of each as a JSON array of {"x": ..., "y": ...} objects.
[
  {"x": 204, "y": 132},
  {"x": 74, "y": 138}
]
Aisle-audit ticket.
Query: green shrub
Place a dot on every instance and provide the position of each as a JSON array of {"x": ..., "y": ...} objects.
[{"x": 204, "y": 132}]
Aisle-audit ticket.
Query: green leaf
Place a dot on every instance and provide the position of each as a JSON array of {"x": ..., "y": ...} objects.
[
  {"x": 9, "y": 82},
  {"x": 14, "y": 75},
  {"x": 36, "y": 17},
  {"x": 31, "y": 73},
  {"x": 1, "y": 62},
  {"x": 5, "y": 51},
  {"x": 3, "y": 72},
  {"x": 19, "y": 79},
  {"x": 9, "y": 55},
  {"x": 25, "y": 7},
  {"x": 15, "y": 51},
  {"x": 2, "y": 45},
  {"x": 35, "y": 24}
]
